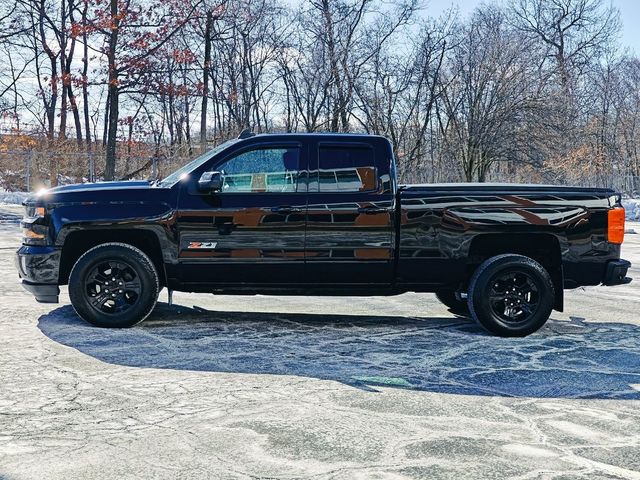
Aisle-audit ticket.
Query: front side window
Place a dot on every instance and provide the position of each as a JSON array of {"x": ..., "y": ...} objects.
[
  {"x": 346, "y": 169},
  {"x": 195, "y": 163},
  {"x": 262, "y": 170}
]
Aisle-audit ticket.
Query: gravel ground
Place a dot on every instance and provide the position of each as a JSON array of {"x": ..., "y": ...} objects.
[{"x": 276, "y": 387}]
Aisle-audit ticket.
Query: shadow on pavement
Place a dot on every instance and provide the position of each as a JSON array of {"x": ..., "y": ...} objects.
[{"x": 566, "y": 359}]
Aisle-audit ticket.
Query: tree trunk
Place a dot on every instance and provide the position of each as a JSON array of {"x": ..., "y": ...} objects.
[
  {"x": 85, "y": 80},
  {"x": 51, "y": 107},
  {"x": 205, "y": 81},
  {"x": 76, "y": 114},
  {"x": 62, "y": 36},
  {"x": 112, "y": 130},
  {"x": 70, "y": 94}
]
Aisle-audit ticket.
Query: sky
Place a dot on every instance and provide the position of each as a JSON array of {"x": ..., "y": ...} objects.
[{"x": 629, "y": 13}]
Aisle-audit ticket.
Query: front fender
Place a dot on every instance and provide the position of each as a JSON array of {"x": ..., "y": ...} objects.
[{"x": 66, "y": 219}]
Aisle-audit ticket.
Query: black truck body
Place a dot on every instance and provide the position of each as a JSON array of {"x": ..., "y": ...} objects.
[{"x": 321, "y": 214}]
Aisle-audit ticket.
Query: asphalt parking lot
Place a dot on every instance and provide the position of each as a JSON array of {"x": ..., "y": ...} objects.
[{"x": 329, "y": 388}]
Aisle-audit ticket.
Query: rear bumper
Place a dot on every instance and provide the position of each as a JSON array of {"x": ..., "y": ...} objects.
[{"x": 616, "y": 272}]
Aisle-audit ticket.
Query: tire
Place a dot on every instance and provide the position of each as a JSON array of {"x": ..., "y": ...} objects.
[
  {"x": 114, "y": 285},
  {"x": 511, "y": 295},
  {"x": 448, "y": 298}
]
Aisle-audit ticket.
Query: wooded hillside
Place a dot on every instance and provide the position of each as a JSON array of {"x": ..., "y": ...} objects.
[{"x": 522, "y": 90}]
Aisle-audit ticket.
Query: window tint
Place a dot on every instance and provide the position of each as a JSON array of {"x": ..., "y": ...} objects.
[
  {"x": 346, "y": 169},
  {"x": 262, "y": 170}
]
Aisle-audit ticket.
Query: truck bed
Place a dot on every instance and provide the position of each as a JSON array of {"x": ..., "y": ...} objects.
[{"x": 501, "y": 188}]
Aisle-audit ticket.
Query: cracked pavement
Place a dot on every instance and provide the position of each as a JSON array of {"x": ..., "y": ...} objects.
[{"x": 322, "y": 388}]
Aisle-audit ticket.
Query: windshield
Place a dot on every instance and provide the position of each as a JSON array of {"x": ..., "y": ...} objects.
[{"x": 193, "y": 164}]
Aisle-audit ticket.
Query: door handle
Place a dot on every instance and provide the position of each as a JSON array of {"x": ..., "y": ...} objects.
[
  {"x": 226, "y": 228},
  {"x": 285, "y": 209},
  {"x": 372, "y": 210}
]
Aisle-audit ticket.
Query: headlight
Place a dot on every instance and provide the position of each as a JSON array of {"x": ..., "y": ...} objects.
[
  {"x": 34, "y": 212},
  {"x": 34, "y": 226}
]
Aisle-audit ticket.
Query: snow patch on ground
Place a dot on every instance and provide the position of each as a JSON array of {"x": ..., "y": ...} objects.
[
  {"x": 14, "y": 198},
  {"x": 632, "y": 208}
]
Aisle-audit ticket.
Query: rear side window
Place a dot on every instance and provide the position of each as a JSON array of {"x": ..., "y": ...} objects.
[{"x": 345, "y": 169}]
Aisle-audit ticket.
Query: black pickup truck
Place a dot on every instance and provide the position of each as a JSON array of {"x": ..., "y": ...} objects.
[{"x": 319, "y": 214}]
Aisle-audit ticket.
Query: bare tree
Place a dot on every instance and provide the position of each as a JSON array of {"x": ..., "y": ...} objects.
[
  {"x": 524, "y": 89},
  {"x": 133, "y": 34},
  {"x": 397, "y": 94},
  {"x": 574, "y": 31},
  {"x": 489, "y": 94}
]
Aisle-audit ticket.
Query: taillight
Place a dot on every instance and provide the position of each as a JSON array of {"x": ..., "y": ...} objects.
[{"x": 615, "y": 225}]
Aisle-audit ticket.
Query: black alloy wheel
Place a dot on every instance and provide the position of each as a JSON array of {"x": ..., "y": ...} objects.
[
  {"x": 514, "y": 296},
  {"x": 511, "y": 295},
  {"x": 114, "y": 285}
]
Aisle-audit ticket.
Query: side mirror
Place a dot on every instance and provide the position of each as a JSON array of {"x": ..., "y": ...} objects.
[{"x": 210, "y": 182}]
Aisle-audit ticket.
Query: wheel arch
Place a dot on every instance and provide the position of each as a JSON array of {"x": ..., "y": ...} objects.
[
  {"x": 544, "y": 248},
  {"x": 77, "y": 242}
]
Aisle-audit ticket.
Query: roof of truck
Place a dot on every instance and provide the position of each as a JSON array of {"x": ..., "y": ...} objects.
[{"x": 245, "y": 135}]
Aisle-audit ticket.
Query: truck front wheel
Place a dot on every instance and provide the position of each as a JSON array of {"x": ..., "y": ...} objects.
[
  {"x": 511, "y": 295},
  {"x": 114, "y": 285}
]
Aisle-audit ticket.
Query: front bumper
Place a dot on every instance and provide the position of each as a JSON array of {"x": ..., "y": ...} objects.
[
  {"x": 38, "y": 267},
  {"x": 616, "y": 272},
  {"x": 44, "y": 293}
]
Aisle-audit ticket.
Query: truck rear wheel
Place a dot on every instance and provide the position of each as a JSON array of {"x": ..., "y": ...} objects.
[
  {"x": 511, "y": 295},
  {"x": 114, "y": 285},
  {"x": 457, "y": 306}
]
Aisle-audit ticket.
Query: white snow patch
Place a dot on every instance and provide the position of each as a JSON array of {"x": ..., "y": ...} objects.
[
  {"x": 632, "y": 208},
  {"x": 14, "y": 198},
  {"x": 529, "y": 451},
  {"x": 575, "y": 429}
]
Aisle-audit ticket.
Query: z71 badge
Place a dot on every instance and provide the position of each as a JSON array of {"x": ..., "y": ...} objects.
[{"x": 206, "y": 245}]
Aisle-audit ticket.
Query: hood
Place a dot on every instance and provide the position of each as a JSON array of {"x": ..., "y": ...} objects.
[
  {"x": 92, "y": 187},
  {"x": 100, "y": 192}
]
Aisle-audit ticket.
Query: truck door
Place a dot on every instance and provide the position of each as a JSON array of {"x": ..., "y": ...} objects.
[
  {"x": 350, "y": 239},
  {"x": 252, "y": 231}
]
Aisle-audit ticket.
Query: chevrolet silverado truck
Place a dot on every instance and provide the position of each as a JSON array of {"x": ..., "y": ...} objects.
[{"x": 319, "y": 214}]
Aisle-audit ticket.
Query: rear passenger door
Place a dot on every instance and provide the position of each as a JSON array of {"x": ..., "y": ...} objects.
[{"x": 349, "y": 235}]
